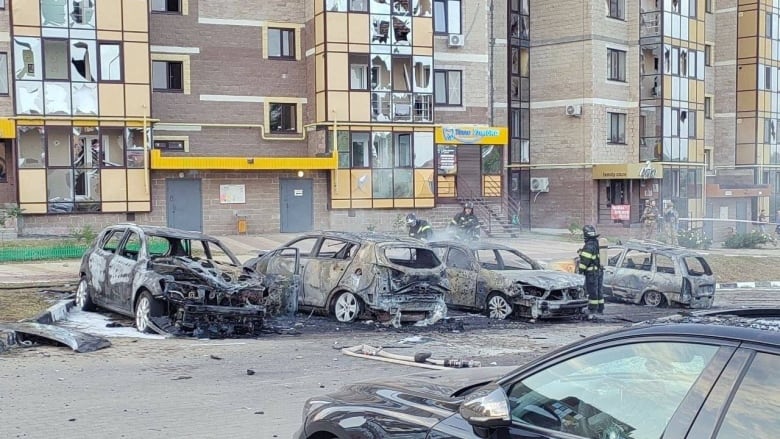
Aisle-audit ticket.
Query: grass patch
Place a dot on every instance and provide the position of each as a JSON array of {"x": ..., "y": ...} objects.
[
  {"x": 744, "y": 268},
  {"x": 16, "y": 305}
]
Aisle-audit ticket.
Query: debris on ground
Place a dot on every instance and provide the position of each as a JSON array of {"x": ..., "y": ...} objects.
[
  {"x": 29, "y": 333},
  {"x": 419, "y": 359}
]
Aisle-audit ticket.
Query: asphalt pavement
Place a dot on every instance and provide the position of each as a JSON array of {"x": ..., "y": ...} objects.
[{"x": 545, "y": 245}]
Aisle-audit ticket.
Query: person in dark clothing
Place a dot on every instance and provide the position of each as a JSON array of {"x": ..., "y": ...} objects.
[
  {"x": 466, "y": 221},
  {"x": 590, "y": 266},
  {"x": 418, "y": 228}
]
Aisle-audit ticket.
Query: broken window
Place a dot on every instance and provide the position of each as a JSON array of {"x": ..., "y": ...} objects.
[
  {"x": 664, "y": 264},
  {"x": 305, "y": 246},
  {"x": 82, "y": 14},
  {"x": 403, "y": 150},
  {"x": 447, "y": 87},
  {"x": 282, "y": 118},
  {"x": 402, "y": 107},
  {"x": 423, "y": 150},
  {"x": 54, "y": 13},
  {"x": 361, "y": 152},
  {"x": 638, "y": 260},
  {"x": 132, "y": 247},
  {"x": 110, "y": 62},
  {"x": 401, "y": 7},
  {"x": 59, "y": 190},
  {"x": 83, "y": 61},
  {"x": 422, "y": 74},
  {"x": 56, "y": 61},
  {"x": 166, "y": 6},
  {"x": 85, "y": 99},
  {"x": 58, "y": 147},
  {"x": 380, "y": 107},
  {"x": 412, "y": 257},
  {"x": 358, "y": 5},
  {"x": 402, "y": 31},
  {"x": 336, "y": 5},
  {"x": 381, "y": 79},
  {"x": 358, "y": 72},
  {"x": 380, "y": 7},
  {"x": 457, "y": 258},
  {"x": 334, "y": 248},
  {"x": 58, "y": 98},
  {"x": 403, "y": 185},
  {"x": 30, "y": 144},
  {"x": 423, "y": 108},
  {"x": 382, "y": 150},
  {"x": 380, "y": 29},
  {"x": 86, "y": 147},
  {"x": 697, "y": 266},
  {"x": 281, "y": 43},
  {"x": 29, "y": 97},
  {"x": 422, "y": 8},
  {"x": 382, "y": 183},
  {"x": 167, "y": 76},
  {"x": 3, "y": 73},
  {"x": 27, "y": 59},
  {"x": 135, "y": 144},
  {"x": 113, "y": 144},
  {"x": 111, "y": 242}
]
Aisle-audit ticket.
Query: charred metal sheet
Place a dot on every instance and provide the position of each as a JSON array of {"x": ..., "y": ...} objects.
[{"x": 40, "y": 333}]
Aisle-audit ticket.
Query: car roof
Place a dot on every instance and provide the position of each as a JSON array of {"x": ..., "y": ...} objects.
[
  {"x": 166, "y": 231},
  {"x": 476, "y": 245},
  {"x": 376, "y": 237},
  {"x": 656, "y": 247}
]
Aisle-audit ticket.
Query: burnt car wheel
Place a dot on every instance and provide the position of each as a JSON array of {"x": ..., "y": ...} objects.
[
  {"x": 498, "y": 307},
  {"x": 653, "y": 298},
  {"x": 347, "y": 307},
  {"x": 84, "y": 296},
  {"x": 146, "y": 308}
]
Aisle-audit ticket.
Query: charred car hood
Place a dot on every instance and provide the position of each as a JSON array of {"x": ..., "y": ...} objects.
[
  {"x": 546, "y": 279},
  {"x": 224, "y": 276}
]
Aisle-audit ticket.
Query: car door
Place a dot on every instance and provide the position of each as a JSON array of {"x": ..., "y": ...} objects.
[
  {"x": 633, "y": 274},
  {"x": 309, "y": 272},
  {"x": 121, "y": 272},
  {"x": 462, "y": 273},
  {"x": 614, "y": 257},
  {"x": 98, "y": 263},
  {"x": 282, "y": 269},
  {"x": 330, "y": 263},
  {"x": 623, "y": 391}
]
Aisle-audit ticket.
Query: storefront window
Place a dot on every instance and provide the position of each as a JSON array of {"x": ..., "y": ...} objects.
[
  {"x": 30, "y": 142},
  {"x": 134, "y": 141},
  {"x": 58, "y": 147},
  {"x": 491, "y": 160},
  {"x": 448, "y": 161},
  {"x": 423, "y": 150},
  {"x": 382, "y": 150},
  {"x": 342, "y": 143},
  {"x": 361, "y": 158},
  {"x": 403, "y": 150},
  {"x": 382, "y": 183},
  {"x": 402, "y": 183}
]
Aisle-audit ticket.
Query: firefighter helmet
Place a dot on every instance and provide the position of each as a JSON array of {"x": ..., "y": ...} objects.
[{"x": 589, "y": 231}]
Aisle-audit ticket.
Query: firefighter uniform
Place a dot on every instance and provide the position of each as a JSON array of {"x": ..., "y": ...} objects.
[
  {"x": 421, "y": 230},
  {"x": 590, "y": 266}
]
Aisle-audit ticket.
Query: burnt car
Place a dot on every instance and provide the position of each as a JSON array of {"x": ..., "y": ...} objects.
[
  {"x": 171, "y": 280},
  {"x": 702, "y": 376},
  {"x": 502, "y": 281},
  {"x": 657, "y": 274},
  {"x": 352, "y": 274}
]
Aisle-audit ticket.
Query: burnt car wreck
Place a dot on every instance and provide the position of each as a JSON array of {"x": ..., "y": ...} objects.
[
  {"x": 656, "y": 274},
  {"x": 175, "y": 282},
  {"x": 504, "y": 282},
  {"x": 349, "y": 275}
]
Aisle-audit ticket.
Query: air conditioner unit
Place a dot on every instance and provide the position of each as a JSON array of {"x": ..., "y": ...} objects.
[
  {"x": 573, "y": 110},
  {"x": 540, "y": 184},
  {"x": 455, "y": 40}
]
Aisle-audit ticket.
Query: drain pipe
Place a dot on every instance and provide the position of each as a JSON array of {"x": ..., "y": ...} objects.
[{"x": 491, "y": 69}]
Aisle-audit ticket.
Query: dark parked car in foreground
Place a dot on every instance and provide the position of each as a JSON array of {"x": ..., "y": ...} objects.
[
  {"x": 172, "y": 280},
  {"x": 657, "y": 274},
  {"x": 502, "y": 281},
  {"x": 712, "y": 375},
  {"x": 353, "y": 274}
]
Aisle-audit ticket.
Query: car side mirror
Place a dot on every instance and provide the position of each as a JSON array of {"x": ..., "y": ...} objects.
[{"x": 486, "y": 409}]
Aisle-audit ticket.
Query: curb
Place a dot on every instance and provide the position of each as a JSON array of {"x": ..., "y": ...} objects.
[{"x": 750, "y": 285}]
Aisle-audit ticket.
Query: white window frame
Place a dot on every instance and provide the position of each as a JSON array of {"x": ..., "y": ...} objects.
[{"x": 614, "y": 137}]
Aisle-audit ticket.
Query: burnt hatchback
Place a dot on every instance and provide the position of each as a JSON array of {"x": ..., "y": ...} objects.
[
  {"x": 502, "y": 281},
  {"x": 656, "y": 274},
  {"x": 353, "y": 274},
  {"x": 173, "y": 281}
]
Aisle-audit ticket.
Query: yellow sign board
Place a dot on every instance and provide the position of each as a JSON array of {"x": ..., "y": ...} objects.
[
  {"x": 628, "y": 171},
  {"x": 471, "y": 135}
]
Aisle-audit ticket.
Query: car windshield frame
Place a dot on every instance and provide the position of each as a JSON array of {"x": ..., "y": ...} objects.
[{"x": 382, "y": 254}]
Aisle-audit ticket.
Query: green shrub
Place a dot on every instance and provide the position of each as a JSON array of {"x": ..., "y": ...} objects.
[
  {"x": 575, "y": 231},
  {"x": 693, "y": 238},
  {"x": 84, "y": 235},
  {"x": 754, "y": 239}
]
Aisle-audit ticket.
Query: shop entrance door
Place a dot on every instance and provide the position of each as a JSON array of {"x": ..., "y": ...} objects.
[{"x": 469, "y": 179}]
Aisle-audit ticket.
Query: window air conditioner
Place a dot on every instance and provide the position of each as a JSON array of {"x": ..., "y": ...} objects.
[
  {"x": 573, "y": 110},
  {"x": 540, "y": 184},
  {"x": 455, "y": 40}
]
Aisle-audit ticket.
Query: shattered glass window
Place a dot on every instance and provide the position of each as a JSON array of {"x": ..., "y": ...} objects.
[
  {"x": 412, "y": 257},
  {"x": 664, "y": 264},
  {"x": 638, "y": 260},
  {"x": 457, "y": 258},
  {"x": 334, "y": 248},
  {"x": 697, "y": 266},
  {"x": 132, "y": 246},
  {"x": 112, "y": 241},
  {"x": 304, "y": 246},
  {"x": 621, "y": 391}
]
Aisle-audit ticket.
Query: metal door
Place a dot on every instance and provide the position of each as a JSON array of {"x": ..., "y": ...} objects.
[
  {"x": 469, "y": 179},
  {"x": 296, "y": 209},
  {"x": 185, "y": 204}
]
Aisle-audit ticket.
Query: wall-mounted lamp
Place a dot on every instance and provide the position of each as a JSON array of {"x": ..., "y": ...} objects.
[
  {"x": 300, "y": 174},
  {"x": 181, "y": 175}
]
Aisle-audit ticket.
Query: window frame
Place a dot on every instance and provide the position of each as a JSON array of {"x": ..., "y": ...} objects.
[
  {"x": 356, "y": 59},
  {"x": 447, "y": 28},
  {"x": 447, "y": 102},
  {"x": 168, "y": 76},
  {"x": 291, "y": 42},
  {"x": 708, "y": 107},
  {"x": 68, "y": 76},
  {"x": 708, "y": 55},
  {"x": 166, "y": 10},
  {"x": 621, "y": 65},
  {"x": 620, "y": 9},
  {"x": 294, "y": 118},
  {"x": 7, "y": 77},
  {"x": 613, "y": 140},
  {"x": 101, "y": 43}
]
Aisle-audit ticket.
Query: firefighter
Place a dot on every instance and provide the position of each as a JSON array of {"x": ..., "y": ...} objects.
[
  {"x": 590, "y": 266},
  {"x": 418, "y": 228},
  {"x": 466, "y": 222}
]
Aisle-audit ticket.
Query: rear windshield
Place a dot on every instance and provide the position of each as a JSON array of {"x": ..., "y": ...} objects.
[
  {"x": 412, "y": 257},
  {"x": 697, "y": 266}
]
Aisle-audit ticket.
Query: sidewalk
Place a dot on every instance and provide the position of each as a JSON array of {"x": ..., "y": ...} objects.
[{"x": 545, "y": 245}]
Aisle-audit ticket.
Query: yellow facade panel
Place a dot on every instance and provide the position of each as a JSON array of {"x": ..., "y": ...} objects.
[
  {"x": 26, "y": 31},
  {"x": 136, "y": 36},
  {"x": 33, "y": 207},
  {"x": 423, "y": 202},
  {"x": 746, "y": 101},
  {"x": 423, "y": 32},
  {"x": 336, "y": 28},
  {"x": 120, "y": 206},
  {"x": 747, "y": 24},
  {"x": 404, "y": 203},
  {"x": 359, "y": 48},
  {"x": 746, "y": 154},
  {"x": 137, "y": 188},
  {"x": 667, "y": 87},
  {"x": 32, "y": 185},
  {"x": 26, "y": 13},
  {"x": 319, "y": 7},
  {"x": 322, "y": 113},
  {"x": 383, "y": 204},
  {"x": 137, "y": 63},
  {"x": 338, "y": 47},
  {"x": 491, "y": 185},
  {"x": 113, "y": 185},
  {"x": 137, "y": 100},
  {"x": 158, "y": 161},
  {"x": 139, "y": 206},
  {"x": 699, "y": 124},
  {"x": 746, "y": 130},
  {"x": 319, "y": 29},
  {"x": 135, "y": 15},
  {"x": 112, "y": 123},
  {"x": 361, "y": 204},
  {"x": 446, "y": 186},
  {"x": 7, "y": 129},
  {"x": 109, "y": 17},
  {"x": 319, "y": 72},
  {"x": 338, "y": 102},
  {"x": 747, "y": 47},
  {"x": 746, "y": 77},
  {"x": 700, "y": 92},
  {"x": 340, "y": 204},
  {"x": 112, "y": 99},
  {"x": 361, "y": 184},
  {"x": 338, "y": 71},
  {"x": 55, "y": 122},
  {"x": 359, "y": 28},
  {"x": 360, "y": 106},
  {"x": 341, "y": 184}
]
